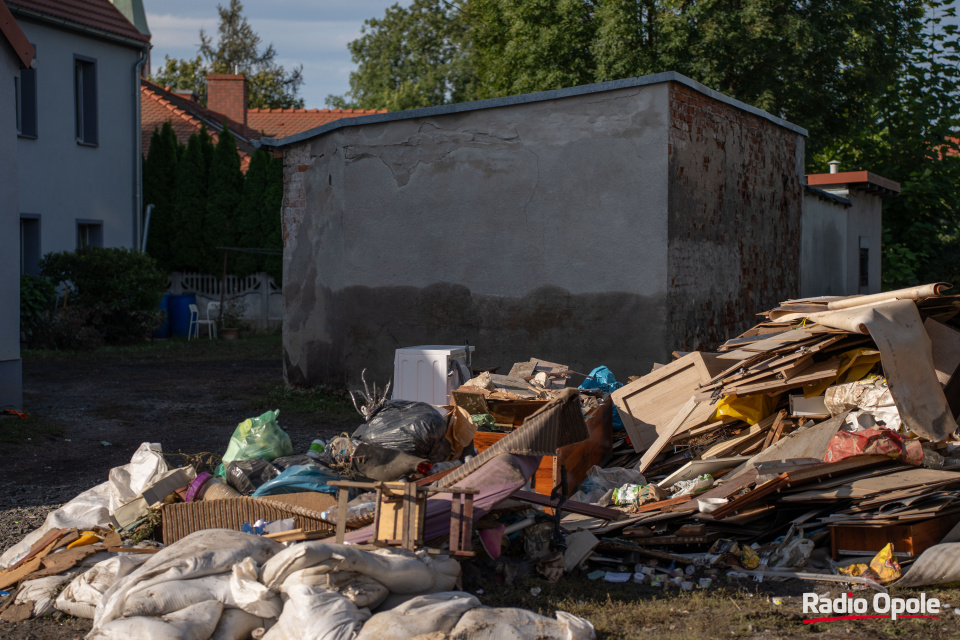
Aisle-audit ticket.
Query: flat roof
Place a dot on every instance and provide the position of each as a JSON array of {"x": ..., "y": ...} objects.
[
  {"x": 612, "y": 85},
  {"x": 855, "y": 180}
]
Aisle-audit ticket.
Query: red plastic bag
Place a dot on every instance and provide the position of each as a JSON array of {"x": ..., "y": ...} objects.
[{"x": 874, "y": 442}]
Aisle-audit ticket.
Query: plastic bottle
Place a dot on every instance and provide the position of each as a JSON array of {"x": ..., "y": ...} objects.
[
  {"x": 316, "y": 448},
  {"x": 354, "y": 512}
]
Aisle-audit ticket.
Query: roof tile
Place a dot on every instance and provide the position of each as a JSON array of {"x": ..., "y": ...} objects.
[
  {"x": 278, "y": 123},
  {"x": 99, "y": 14}
]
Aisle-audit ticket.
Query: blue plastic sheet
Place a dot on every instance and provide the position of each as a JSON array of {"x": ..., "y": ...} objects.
[
  {"x": 602, "y": 378},
  {"x": 303, "y": 477}
]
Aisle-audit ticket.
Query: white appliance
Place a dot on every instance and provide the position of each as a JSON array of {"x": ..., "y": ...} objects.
[{"x": 429, "y": 373}]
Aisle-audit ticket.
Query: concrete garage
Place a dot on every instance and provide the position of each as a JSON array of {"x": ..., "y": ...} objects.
[{"x": 603, "y": 224}]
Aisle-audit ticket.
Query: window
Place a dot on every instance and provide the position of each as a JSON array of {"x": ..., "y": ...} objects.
[
  {"x": 89, "y": 233},
  {"x": 26, "y": 93},
  {"x": 864, "y": 264},
  {"x": 30, "y": 244},
  {"x": 85, "y": 92}
]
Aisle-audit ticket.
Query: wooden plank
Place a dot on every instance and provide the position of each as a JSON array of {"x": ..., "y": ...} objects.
[
  {"x": 722, "y": 448},
  {"x": 690, "y": 414},
  {"x": 816, "y": 372},
  {"x": 571, "y": 506},
  {"x": 759, "y": 493},
  {"x": 774, "y": 434},
  {"x": 647, "y": 406}
]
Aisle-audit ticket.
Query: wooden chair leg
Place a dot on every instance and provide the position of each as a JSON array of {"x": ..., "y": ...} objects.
[{"x": 342, "y": 495}]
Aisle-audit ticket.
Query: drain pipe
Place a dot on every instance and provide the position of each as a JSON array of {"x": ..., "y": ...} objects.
[{"x": 146, "y": 229}]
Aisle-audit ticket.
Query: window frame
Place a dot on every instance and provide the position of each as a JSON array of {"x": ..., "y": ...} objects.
[
  {"x": 36, "y": 218},
  {"x": 82, "y": 102},
  {"x": 23, "y": 89},
  {"x": 83, "y": 222}
]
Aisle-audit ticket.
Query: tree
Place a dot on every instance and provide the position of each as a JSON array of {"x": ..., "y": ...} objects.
[
  {"x": 909, "y": 136},
  {"x": 818, "y": 63},
  {"x": 272, "y": 219},
  {"x": 250, "y": 212},
  {"x": 189, "y": 206},
  {"x": 223, "y": 198},
  {"x": 416, "y": 56},
  {"x": 236, "y": 50},
  {"x": 159, "y": 186}
]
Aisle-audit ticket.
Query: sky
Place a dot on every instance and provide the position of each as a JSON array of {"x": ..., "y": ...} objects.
[{"x": 313, "y": 33}]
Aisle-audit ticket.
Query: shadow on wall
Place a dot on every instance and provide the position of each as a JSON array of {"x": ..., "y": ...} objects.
[{"x": 623, "y": 331}]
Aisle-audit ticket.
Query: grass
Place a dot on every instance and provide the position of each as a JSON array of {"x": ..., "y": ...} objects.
[
  {"x": 14, "y": 430},
  {"x": 253, "y": 346},
  {"x": 325, "y": 405}
]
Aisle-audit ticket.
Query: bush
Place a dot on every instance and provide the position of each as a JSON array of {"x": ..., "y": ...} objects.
[
  {"x": 113, "y": 293},
  {"x": 37, "y": 297}
]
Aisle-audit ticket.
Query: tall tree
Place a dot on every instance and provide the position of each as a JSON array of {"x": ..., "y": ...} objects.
[
  {"x": 910, "y": 136},
  {"x": 250, "y": 212},
  {"x": 189, "y": 206},
  {"x": 818, "y": 63},
  {"x": 237, "y": 49},
  {"x": 272, "y": 219},
  {"x": 223, "y": 197},
  {"x": 159, "y": 186},
  {"x": 415, "y": 56}
]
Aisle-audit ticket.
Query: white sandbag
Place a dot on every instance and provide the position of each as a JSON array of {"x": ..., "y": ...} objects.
[
  {"x": 93, "y": 507},
  {"x": 248, "y": 594},
  {"x": 361, "y": 590},
  {"x": 201, "y": 554},
  {"x": 129, "y": 481},
  {"x": 399, "y": 571},
  {"x": 196, "y": 622},
  {"x": 438, "y": 612},
  {"x": 314, "y": 613},
  {"x": 519, "y": 624},
  {"x": 42, "y": 592},
  {"x": 236, "y": 624},
  {"x": 167, "y": 597},
  {"x": 81, "y": 597}
]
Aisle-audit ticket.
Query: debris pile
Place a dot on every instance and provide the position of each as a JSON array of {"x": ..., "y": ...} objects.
[{"x": 820, "y": 445}]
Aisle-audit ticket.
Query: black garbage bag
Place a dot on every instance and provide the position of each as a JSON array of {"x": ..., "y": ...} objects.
[
  {"x": 379, "y": 463},
  {"x": 286, "y": 462},
  {"x": 411, "y": 427},
  {"x": 246, "y": 476}
]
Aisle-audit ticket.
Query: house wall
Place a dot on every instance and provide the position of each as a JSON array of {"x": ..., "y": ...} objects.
[
  {"x": 823, "y": 259},
  {"x": 61, "y": 180},
  {"x": 533, "y": 229},
  {"x": 10, "y": 376},
  {"x": 832, "y": 236},
  {"x": 734, "y": 218}
]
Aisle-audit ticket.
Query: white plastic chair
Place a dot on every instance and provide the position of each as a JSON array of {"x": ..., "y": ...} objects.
[
  {"x": 213, "y": 314},
  {"x": 193, "y": 330}
]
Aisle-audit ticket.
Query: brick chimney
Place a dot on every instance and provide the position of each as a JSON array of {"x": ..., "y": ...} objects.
[{"x": 227, "y": 94}]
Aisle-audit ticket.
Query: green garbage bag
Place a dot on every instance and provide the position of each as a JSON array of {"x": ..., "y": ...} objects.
[{"x": 258, "y": 437}]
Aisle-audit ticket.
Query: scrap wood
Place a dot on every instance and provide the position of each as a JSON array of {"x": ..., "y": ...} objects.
[
  {"x": 692, "y": 413},
  {"x": 760, "y": 492},
  {"x": 624, "y": 545},
  {"x": 774, "y": 434},
  {"x": 722, "y": 490},
  {"x": 803, "y": 575},
  {"x": 572, "y": 506},
  {"x": 42, "y": 546}
]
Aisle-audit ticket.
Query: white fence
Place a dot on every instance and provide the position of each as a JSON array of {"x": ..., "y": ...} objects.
[{"x": 261, "y": 297}]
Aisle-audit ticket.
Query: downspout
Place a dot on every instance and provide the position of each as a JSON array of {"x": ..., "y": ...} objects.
[{"x": 138, "y": 149}]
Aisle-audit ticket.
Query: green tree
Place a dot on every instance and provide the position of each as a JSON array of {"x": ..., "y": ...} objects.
[
  {"x": 189, "y": 207},
  {"x": 272, "y": 219},
  {"x": 250, "y": 212},
  {"x": 237, "y": 49},
  {"x": 818, "y": 63},
  {"x": 223, "y": 197},
  {"x": 159, "y": 186},
  {"x": 415, "y": 56},
  {"x": 909, "y": 136}
]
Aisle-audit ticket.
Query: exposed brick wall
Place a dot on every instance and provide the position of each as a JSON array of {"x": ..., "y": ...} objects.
[
  {"x": 296, "y": 162},
  {"x": 735, "y": 197},
  {"x": 227, "y": 94}
]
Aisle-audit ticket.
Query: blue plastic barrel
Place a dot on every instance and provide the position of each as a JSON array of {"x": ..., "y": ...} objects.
[
  {"x": 164, "y": 330},
  {"x": 179, "y": 310}
]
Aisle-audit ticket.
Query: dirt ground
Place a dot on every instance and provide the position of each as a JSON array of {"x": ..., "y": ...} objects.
[{"x": 90, "y": 411}]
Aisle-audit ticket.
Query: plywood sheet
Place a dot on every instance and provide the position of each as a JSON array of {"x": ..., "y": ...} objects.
[
  {"x": 649, "y": 404},
  {"x": 945, "y": 344}
]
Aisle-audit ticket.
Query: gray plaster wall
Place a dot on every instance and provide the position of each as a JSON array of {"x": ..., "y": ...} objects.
[
  {"x": 830, "y": 252},
  {"x": 531, "y": 230},
  {"x": 823, "y": 263},
  {"x": 61, "y": 180},
  {"x": 10, "y": 377}
]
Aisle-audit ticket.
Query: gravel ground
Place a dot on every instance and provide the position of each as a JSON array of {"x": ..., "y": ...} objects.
[{"x": 188, "y": 397}]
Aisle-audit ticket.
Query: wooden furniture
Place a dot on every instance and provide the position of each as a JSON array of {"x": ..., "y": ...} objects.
[
  {"x": 649, "y": 404},
  {"x": 400, "y": 514},
  {"x": 577, "y": 458},
  {"x": 909, "y": 540}
]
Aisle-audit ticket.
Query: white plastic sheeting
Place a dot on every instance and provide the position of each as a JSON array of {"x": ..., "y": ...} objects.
[{"x": 93, "y": 507}]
